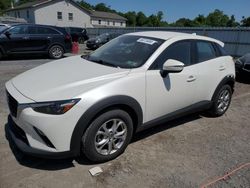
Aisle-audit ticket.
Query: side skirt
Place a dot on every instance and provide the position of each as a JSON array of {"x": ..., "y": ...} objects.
[{"x": 197, "y": 107}]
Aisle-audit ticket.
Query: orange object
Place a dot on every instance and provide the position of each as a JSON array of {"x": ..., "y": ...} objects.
[{"x": 75, "y": 47}]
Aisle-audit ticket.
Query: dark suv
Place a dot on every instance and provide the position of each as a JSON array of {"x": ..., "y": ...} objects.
[{"x": 34, "y": 39}]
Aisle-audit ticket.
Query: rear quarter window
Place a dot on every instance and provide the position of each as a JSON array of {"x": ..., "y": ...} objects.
[{"x": 46, "y": 30}]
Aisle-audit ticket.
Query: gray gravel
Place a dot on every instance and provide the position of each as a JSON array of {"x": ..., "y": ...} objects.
[{"x": 188, "y": 152}]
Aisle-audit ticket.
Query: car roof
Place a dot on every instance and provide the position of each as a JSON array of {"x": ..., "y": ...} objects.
[{"x": 166, "y": 35}]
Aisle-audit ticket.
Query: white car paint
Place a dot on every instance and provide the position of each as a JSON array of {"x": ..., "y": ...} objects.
[{"x": 75, "y": 77}]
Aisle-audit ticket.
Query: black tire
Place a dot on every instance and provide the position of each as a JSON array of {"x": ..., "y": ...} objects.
[
  {"x": 215, "y": 110},
  {"x": 56, "y": 52},
  {"x": 81, "y": 40},
  {"x": 90, "y": 136}
]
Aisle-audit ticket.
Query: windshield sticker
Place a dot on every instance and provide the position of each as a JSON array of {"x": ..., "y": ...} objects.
[{"x": 146, "y": 41}]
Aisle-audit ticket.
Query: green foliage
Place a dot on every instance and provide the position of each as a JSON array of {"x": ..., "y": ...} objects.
[
  {"x": 86, "y": 5},
  {"x": 4, "y": 4},
  {"x": 245, "y": 22}
]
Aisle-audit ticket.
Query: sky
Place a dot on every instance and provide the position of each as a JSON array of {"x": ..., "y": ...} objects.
[{"x": 175, "y": 9}]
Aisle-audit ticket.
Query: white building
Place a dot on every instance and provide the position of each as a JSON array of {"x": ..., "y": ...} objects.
[{"x": 66, "y": 13}]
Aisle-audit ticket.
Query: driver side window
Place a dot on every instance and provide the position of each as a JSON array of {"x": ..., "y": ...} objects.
[
  {"x": 180, "y": 51},
  {"x": 19, "y": 30}
]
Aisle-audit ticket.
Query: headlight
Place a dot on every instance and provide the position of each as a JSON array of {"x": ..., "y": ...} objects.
[
  {"x": 97, "y": 41},
  {"x": 54, "y": 108}
]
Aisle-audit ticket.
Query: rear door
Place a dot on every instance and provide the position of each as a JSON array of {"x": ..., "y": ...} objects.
[
  {"x": 41, "y": 37},
  {"x": 211, "y": 69}
]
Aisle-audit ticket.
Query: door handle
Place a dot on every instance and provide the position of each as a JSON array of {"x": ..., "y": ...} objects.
[
  {"x": 222, "y": 67},
  {"x": 191, "y": 78}
]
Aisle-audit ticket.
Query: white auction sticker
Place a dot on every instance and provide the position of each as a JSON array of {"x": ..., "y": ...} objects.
[{"x": 146, "y": 41}]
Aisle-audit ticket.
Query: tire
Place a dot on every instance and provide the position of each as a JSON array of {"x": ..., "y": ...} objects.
[
  {"x": 81, "y": 40},
  {"x": 221, "y": 101},
  {"x": 56, "y": 52},
  {"x": 97, "y": 142},
  {"x": 1, "y": 54}
]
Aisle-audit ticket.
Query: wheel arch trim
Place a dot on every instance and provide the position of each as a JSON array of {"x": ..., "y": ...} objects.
[
  {"x": 229, "y": 79},
  {"x": 97, "y": 108}
]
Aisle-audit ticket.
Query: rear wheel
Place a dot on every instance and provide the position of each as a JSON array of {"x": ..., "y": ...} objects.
[
  {"x": 56, "y": 52},
  {"x": 107, "y": 136},
  {"x": 1, "y": 54},
  {"x": 221, "y": 101}
]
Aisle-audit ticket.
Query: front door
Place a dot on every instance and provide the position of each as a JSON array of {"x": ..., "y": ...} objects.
[{"x": 175, "y": 91}]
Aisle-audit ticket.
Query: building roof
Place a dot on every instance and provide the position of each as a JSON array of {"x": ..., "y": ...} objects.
[
  {"x": 106, "y": 15},
  {"x": 93, "y": 14}
]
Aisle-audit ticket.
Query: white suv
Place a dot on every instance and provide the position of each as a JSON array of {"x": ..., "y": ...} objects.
[{"x": 93, "y": 105}]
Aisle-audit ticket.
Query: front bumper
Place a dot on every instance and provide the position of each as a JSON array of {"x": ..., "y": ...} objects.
[{"x": 17, "y": 136}]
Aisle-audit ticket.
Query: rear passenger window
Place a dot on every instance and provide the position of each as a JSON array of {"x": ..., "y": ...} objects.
[
  {"x": 205, "y": 51},
  {"x": 46, "y": 30},
  {"x": 178, "y": 51}
]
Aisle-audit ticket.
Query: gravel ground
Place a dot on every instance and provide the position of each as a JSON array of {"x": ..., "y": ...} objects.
[{"x": 189, "y": 152}]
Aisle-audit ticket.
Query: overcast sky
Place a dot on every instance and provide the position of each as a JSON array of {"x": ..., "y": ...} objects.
[{"x": 175, "y": 9}]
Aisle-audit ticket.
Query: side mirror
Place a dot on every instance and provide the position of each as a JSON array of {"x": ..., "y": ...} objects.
[
  {"x": 7, "y": 34},
  {"x": 171, "y": 66}
]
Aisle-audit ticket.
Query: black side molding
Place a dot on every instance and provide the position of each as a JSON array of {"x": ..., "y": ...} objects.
[
  {"x": 96, "y": 109},
  {"x": 197, "y": 107},
  {"x": 229, "y": 79}
]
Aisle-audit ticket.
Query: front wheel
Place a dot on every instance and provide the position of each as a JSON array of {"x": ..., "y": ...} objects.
[
  {"x": 221, "y": 101},
  {"x": 107, "y": 136},
  {"x": 56, "y": 52}
]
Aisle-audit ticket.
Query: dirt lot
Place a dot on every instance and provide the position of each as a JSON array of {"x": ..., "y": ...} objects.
[{"x": 189, "y": 152}]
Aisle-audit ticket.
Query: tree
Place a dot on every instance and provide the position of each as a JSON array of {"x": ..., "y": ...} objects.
[
  {"x": 184, "y": 22},
  {"x": 200, "y": 20},
  {"x": 217, "y": 19},
  {"x": 245, "y": 22},
  {"x": 86, "y": 5},
  {"x": 141, "y": 19},
  {"x": 131, "y": 16},
  {"x": 232, "y": 23},
  {"x": 4, "y": 4}
]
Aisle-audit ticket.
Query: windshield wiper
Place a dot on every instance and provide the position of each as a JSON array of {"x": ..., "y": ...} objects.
[{"x": 104, "y": 63}]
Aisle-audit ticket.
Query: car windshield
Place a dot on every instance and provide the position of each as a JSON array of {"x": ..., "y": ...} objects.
[{"x": 127, "y": 51}]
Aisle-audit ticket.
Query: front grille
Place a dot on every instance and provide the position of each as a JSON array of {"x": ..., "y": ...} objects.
[
  {"x": 13, "y": 104},
  {"x": 17, "y": 131}
]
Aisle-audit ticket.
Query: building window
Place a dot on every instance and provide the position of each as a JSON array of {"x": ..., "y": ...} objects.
[
  {"x": 18, "y": 14},
  {"x": 108, "y": 23},
  {"x": 113, "y": 22},
  {"x": 59, "y": 15},
  {"x": 121, "y": 23},
  {"x": 100, "y": 22},
  {"x": 28, "y": 14},
  {"x": 70, "y": 16}
]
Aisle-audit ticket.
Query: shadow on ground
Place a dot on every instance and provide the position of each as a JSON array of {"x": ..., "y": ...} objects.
[{"x": 59, "y": 164}]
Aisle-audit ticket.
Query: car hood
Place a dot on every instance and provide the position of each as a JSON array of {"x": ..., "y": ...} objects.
[{"x": 65, "y": 79}]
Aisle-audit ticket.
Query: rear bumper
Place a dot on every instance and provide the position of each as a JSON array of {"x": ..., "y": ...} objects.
[{"x": 18, "y": 138}]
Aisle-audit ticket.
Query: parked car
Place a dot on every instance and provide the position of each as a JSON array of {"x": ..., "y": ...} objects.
[
  {"x": 242, "y": 64},
  {"x": 98, "y": 41},
  {"x": 35, "y": 39},
  {"x": 78, "y": 34},
  {"x": 95, "y": 105}
]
